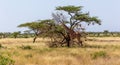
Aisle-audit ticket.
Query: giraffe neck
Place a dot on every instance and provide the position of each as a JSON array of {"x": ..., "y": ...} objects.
[{"x": 67, "y": 29}]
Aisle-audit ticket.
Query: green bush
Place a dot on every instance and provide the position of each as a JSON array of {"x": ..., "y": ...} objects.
[
  {"x": 6, "y": 61},
  {"x": 102, "y": 54}
]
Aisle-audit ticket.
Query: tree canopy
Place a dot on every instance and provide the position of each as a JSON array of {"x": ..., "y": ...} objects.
[{"x": 76, "y": 16}]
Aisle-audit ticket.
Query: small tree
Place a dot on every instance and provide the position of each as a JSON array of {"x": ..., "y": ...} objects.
[
  {"x": 26, "y": 34},
  {"x": 1, "y": 35},
  {"x": 106, "y": 32},
  {"x": 15, "y": 34},
  {"x": 34, "y": 26},
  {"x": 38, "y": 27}
]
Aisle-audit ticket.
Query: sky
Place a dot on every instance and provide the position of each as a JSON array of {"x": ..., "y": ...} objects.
[{"x": 15, "y": 12}]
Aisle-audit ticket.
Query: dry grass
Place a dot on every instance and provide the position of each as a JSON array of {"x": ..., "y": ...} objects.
[{"x": 40, "y": 54}]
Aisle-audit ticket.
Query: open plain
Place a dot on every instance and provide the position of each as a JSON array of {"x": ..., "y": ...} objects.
[{"x": 23, "y": 52}]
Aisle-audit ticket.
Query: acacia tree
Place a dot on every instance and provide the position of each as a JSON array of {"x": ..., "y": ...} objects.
[
  {"x": 15, "y": 34},
  {"x": 38, "y": 27},
  {"x": 76, "y": 16},
  {"x": 33, "y": 26},
  {"x": 27, "y": 34},
  {"x": 73, "y": 21},
  {"x": 105, "y": 32}
]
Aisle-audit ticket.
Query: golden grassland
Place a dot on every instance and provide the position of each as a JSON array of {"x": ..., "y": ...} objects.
[{"x": 94, "y": 53}]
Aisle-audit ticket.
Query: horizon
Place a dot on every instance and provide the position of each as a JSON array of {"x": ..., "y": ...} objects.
[{"x": 15, "y": 12}]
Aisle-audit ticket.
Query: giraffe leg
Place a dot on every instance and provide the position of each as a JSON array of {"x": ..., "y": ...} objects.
[
  {"x": 72, "y": 42},
  {"x": 62, "y": 42},
  {"x": 80, "y": 42}
]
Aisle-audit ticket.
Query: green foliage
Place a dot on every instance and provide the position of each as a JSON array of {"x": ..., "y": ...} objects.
[
  {"x": 74, "y": 20},
  {"x": 106, "y": 31},
  {"x": 77, "y": 16},
  {"x": 71, "y": 9},
  {"x": 15, "y": 34},
  {"x": 31, "y": 25},
  {"x": 84, "y": 17},
  {"x": 96, "y": 55},
  {"x": 38, "y": 27},
  {"x": 34, "y": 26},
  {"x": 6, "y": 61}
]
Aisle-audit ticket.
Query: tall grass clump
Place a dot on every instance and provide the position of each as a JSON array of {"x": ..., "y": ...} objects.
[
  {"x": 6, "y": 61},
  {"x": 96, "y": 55},
  {"x": 27, "y": 47},
  {"x": 1, "y": 46}
]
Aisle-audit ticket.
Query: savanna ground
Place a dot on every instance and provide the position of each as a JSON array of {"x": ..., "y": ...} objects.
[{"x": 24, "y": 52}]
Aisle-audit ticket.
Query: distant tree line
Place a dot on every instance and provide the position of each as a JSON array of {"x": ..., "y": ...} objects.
[
  {"x": 28, "y": 34},
  {"x": 103, "y": 34},
  {"x": 17, "y": 34}
]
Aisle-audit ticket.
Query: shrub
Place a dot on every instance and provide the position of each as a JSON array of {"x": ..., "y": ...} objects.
[
  {"x": 54, "y": 44},
  {"x": 26, "y": 47},
  {"x": 102, "y": 54},
  {"x": 28, "y": 55},
  {"x": 43, "y": 50},
  {"x": 1, "y": 46},
  {"x": 6, "y": 61}
]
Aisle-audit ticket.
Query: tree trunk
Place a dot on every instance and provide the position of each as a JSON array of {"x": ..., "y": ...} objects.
[
  {"x": 34, "y": 39},
  {"x": 68, "y": 40},
  {"x": 68, "y": 43},
  {"x": 36, "y": 34}
]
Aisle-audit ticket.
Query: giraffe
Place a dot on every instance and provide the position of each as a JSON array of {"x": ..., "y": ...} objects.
[{"x": 71, "y": 34}]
